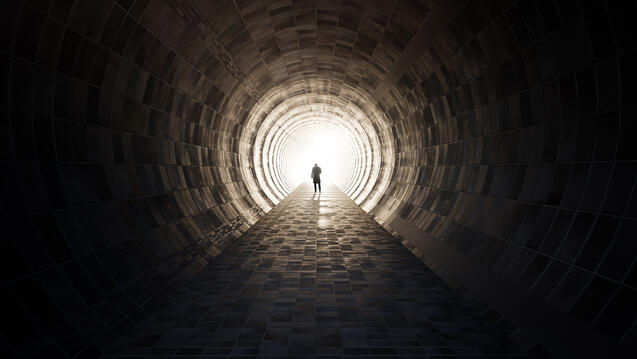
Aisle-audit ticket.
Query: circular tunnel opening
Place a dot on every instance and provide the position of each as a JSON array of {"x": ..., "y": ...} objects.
[{"x": 301, "y": 123}]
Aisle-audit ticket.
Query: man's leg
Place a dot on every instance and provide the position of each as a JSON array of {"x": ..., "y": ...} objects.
[
  {"x": 314, "y": 186},
  {"x": 319, "y": 187}
]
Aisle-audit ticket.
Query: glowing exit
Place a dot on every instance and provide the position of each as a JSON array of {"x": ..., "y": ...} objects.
[{"x": 326, "y": 146}]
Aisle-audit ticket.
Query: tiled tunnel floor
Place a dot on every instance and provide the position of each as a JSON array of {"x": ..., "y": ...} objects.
[{"x": 316, "y": 277}]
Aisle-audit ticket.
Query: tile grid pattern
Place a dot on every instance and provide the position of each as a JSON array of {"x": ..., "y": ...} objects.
[
  {"x": 523, "y": 158},
  {"x": 316, "y": 277}
]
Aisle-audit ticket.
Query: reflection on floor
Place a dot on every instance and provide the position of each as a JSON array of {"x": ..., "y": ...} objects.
[{"x": 316, "y": 277}]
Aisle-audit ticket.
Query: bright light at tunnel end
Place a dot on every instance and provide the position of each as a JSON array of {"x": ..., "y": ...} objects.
[
  {"x": 292, "y": 127},
  {"x": 324, "y": 145}
]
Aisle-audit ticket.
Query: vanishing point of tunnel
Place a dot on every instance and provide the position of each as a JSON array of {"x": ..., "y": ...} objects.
[{"x": 478, "y": 200}]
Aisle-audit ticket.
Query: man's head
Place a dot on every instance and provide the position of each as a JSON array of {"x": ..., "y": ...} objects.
[{"x": 315, "y": 165}]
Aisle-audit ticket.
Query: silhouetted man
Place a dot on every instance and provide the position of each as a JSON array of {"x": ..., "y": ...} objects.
[{"x": 316, "y": 176}]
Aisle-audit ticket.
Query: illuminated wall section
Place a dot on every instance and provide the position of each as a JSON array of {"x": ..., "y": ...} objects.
[{"x": 301, "y": 123}]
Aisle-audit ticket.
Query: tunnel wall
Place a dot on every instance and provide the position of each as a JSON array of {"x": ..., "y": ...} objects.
[
  {"x": 515, "y": 151},
  {"x": 120, "y": 168}
]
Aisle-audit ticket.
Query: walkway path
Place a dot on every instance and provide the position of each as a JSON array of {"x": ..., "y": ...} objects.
[{"x": 317, "y": 277}]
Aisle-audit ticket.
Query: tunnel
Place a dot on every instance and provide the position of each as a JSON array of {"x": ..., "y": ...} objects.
[{"x": 491, "y": 141}]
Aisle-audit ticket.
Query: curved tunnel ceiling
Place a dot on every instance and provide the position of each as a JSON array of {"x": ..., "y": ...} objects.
[{"x": 140, "y": 136}]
